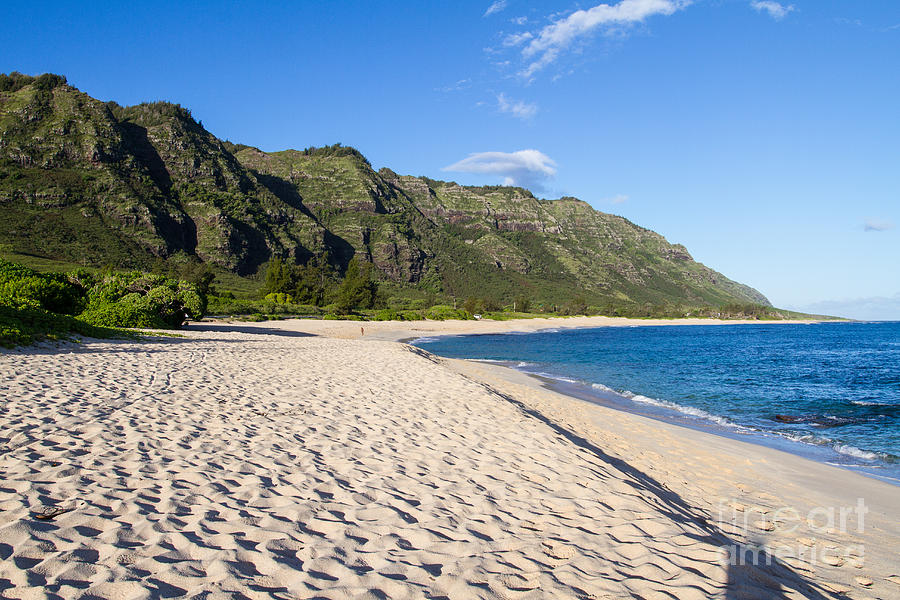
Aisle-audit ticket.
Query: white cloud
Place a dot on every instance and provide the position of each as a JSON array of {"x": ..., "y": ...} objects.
[
  {"x": 617, "y": 199},
  {"x": 521, "y": 109},
  {"x": 517, "y": 39},
  {"x": 494, "y": 8},
  {"x": 527, "y": 168},
  {"x": 519, "y": 20},
  {"x": 455, "y": 87},
  {"x": 549, "y": 43},
  {"x": 877, "y": 225},
  {"x": 776, "y": 10}
]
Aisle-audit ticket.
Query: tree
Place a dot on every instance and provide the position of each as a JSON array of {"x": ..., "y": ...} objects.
[
  {"x": 309, "y": 284},
  {"x": 522, "y": 303},
  {"x": 278, "y": 278},
  {"x": 359, "y": 289}
]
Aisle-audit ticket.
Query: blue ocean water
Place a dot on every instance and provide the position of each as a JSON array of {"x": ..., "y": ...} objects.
[{"x": 828, "y": 391}]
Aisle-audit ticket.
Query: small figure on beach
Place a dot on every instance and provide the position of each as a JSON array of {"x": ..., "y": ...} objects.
[{"x": 362, "y": 332}]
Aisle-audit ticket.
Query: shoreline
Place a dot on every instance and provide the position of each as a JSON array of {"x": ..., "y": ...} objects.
[
  {"x": 579, "y": 391},
  {"x": 270, "y": 457},
  {"x": 821, "y": 474}
]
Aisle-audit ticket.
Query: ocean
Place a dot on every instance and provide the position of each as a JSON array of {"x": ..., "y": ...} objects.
[{"x": 826, "y": 391}]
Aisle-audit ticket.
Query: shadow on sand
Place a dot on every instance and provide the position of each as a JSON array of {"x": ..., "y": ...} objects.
[
  {"x": 236, "y": 328},
  {"x": 765, "y": 577},
  {"x": 160, "y": 341}
]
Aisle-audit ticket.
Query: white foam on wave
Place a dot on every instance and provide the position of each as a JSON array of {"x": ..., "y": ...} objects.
[
  {"x": 555, "y": 377},
  {"x": 855, "y": 452},
  {"x": 845, "y": 449},
  {"x": 423, "y": 340},
  {"x": 526, "y": 367},
  {"x": 602, "y": 388},
  {"x": 686, "y": 410},
  {"x": 868, "y": 403},
  {"x": 806, "y": 438}
]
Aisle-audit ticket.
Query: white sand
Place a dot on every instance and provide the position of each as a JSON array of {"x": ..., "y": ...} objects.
[{"x": 258, "y": 461}]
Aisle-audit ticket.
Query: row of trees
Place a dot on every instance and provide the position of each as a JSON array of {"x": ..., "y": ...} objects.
[
  {"x": 318, "y": 283},
  {"x": 15, "y": 81}
]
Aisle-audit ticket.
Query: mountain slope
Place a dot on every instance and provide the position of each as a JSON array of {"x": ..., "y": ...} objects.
[
  {"x": 102, "y": 183},
  {"x": 93, "y": 182}
]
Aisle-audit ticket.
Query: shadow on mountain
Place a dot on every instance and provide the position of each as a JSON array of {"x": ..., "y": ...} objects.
[
  {"x": 180, "y": 234},
  {"x": 285, "y": 192},
  {"x": 145, "y": 152},
  {"x": 340, "y": 251}
]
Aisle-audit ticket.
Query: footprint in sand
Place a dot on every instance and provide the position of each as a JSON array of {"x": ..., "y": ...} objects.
[
  {"x": 48, "y": 513},
  {"x": 558, "y": 550},
  {"x": 764, "y": 525},
  {"x": 522, "y": 582},
  {"x": 834, "y": 561}
]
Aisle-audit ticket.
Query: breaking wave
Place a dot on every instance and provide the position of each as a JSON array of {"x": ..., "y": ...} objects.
[{"x": 686, "y": 410}]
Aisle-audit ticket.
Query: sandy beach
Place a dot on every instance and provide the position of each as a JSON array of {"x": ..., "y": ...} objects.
[{"x": 323, "y": 459}]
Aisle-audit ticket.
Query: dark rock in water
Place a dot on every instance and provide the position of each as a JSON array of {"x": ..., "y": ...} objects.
[
  {"x": 818, "y": 420},
  {"x": 789, "y": 418}
]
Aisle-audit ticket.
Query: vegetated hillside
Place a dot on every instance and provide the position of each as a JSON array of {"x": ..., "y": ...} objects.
[{"x": 97, "y": 183}]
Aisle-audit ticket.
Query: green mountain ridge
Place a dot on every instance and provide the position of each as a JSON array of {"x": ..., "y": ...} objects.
[{"x": 96, "y": 183}]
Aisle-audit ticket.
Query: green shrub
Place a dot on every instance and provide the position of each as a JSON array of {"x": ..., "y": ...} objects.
[
  {"x": 122, "y": 314},
  {"x": 399, "y": 302},
  {"x": 254, "y": 318},
  {"x": 442, "y": 312},
  {"x": 165, "y": 302},
  {"x": 388, "y": 314},
  {"x": 220, "y": 305},
  {"x": 39, "y": 305},
  {"x": 279, "y": 298},
  {"x": 21, "y": 326},
  {"x": 20, "y": 286}
]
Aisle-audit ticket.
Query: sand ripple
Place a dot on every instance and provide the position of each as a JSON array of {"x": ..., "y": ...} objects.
[{"x": 247, "y": 465}]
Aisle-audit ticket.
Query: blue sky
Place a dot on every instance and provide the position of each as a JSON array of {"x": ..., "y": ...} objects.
[{"x": 765, "y": 136}]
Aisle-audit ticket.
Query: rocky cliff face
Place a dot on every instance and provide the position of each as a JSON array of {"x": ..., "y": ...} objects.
[{"x": 98, "y": 183}]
